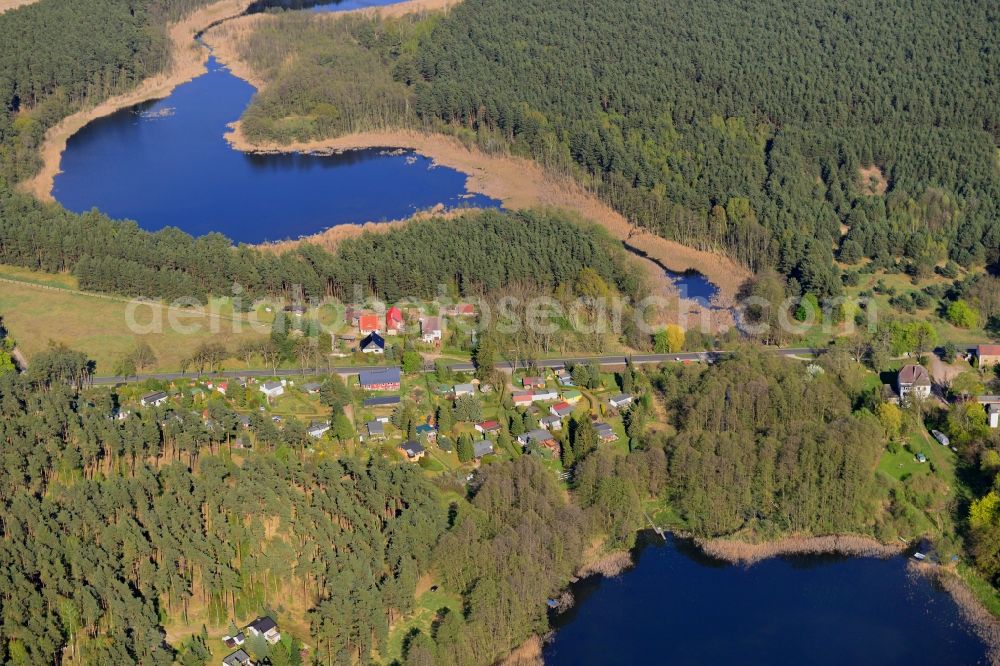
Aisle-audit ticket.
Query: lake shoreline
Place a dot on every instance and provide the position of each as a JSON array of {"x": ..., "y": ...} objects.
[
  {"x": 517, "y": 182},
  {"x": 984, "y": 623},
  {"x": 188, "y": 62}
]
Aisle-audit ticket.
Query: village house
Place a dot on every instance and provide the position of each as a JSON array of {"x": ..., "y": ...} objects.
[
  {"x": 265, "y": 627},
  {"x": 295, "y": 309},
  {"x": 488, "y": 427},
  {"x": 154, "y": 399},
  {"x": 620, "y": 400},
  {"x": 375, "y": 430},
  {"x": 430, "y": 330},
  {"x": 544, "y": 395},
  {"x": 572, "y": 396},
  {"x": 238, "y": 658},
  {"x": 382, "y": 401},
  {"x": 483, "y": 447},
  {"x": 372, "y": 344},
  {"x": 988, "y": 355},
  {"x": 312, "y": 388},
  {"x": 393, "y": 321},
  {"x": 427, "y": 431},
  {"x": 539, "y": 438},
  {"x": 379, "y": 379},
  {"x": 991, "y": 403},
  {"x": 368, "y": 323},
  {"x": 464, "y": 389},
  {"x": 272, "y": 390},
  {"x": 318, "y": 429},
  {"x": 605, "y": 432},
  {"x": 522, "y": 398},
  {"x": 550, "y": 422},
  {"x": 533, "y": 382},
  {"x": 564, "y": 378},
  {"x": 561, "y": 409},
  {"x": 913, "y": 380},
  {"x": 412, "y": 450},
  {"x": 234, "y": 641}
]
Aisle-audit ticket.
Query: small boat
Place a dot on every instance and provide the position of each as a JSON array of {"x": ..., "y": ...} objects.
[{"x": 919, "y": 556}]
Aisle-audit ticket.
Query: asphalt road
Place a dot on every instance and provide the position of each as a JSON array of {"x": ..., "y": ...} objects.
[{"x": 605, "y": 361}]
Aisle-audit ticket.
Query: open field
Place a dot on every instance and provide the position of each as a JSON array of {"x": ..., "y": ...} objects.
[{"x": 37, "y": 314}]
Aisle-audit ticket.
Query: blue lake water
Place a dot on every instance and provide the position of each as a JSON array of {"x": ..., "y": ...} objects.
[
  {"x": 166, "y": 163},
  {"x": 694, "y": 286},
  {"x": 679, "y": 607}
]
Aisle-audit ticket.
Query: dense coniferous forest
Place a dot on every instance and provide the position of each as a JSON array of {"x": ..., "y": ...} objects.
[
  {"x": 785, "y": 136},
  {"x": 476, "y": 252},
  {"x": 742, "y": 126}
]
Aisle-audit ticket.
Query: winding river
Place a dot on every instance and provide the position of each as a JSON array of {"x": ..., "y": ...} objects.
[{"x": 678, "y": 606}]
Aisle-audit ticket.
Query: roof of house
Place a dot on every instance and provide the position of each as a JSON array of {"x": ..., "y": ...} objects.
[
  {"x": 263, "y": 624},
  {"x": 537, "y": 435},
  {"x": 428, "y": 324},
  {"x": 236, "y": 658},
  {"x": 522, "y": 395},
  {"x": 311, "y": 386},
  {"x": 482, "y": 448},
  {"x": 368, "y": 322},
  {"x": 989, "y": 350},
  {"x": 382, "y": 401},
  {"x": 321, "y": 426},
  {"x": 465, "y": 388},
  {"x": 551, "y": 418},
  {"x": 572, "y": 393},
  {"x": 376, "y": 428},
  {"x": 915, "y": 375},
  {"x": 270, "y": 386},
  {"x": 373, "y": 339},
  {"x": 424, "y": 428},
  {"x": 531, "y": 381},
  {"x": 563, "y": 407},
  {"x": 488, "y": 425},
  {"x": 377, "y": 376},
  {"x": 152, "y": 397},
  {"x": 394, "y": 314},
  {"x": 411, "y": 448},
  {"x": 621, "y": 397},
  {"x": 603, "y": 428}
]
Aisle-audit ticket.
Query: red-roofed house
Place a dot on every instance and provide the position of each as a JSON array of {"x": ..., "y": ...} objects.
[
  {"x": 561, "y": 409},
  {"x": 988, "y": 355},
  {"x": 487, "y": 427},
  {"x": 522, "y": 398},
  {"x": 393, "y": 320},
  {"x": 368, "y": 323}
]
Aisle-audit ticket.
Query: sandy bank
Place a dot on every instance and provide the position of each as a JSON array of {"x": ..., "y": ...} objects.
[
  {"x": 7, "y": 5},
  {"x": 188, "y": 62},
  {"x": 522, "y": 183},
  {"x": 740, "y": 552}
]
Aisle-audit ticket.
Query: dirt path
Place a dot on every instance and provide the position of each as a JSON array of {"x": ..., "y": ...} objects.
[
  {"x": 188, "y": 62},
  {"x": 7, "y": 5}
]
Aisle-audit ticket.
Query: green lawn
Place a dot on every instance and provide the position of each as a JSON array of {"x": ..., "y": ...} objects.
[{"x": 429, "y": 604}]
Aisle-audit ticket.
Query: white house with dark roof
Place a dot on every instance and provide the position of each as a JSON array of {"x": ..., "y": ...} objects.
[
  {"x": 430, "y": 330},
  {"x": 272, "y": 389},
  {"x": 913, "y": 380},
  {"x": 620, "y": 400},
  {"x": 266, "y": 627},
  {"x": 153, "y": 399},
  {"x": 317, "y": 430},
  {"x": 238, "y": 658}
]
